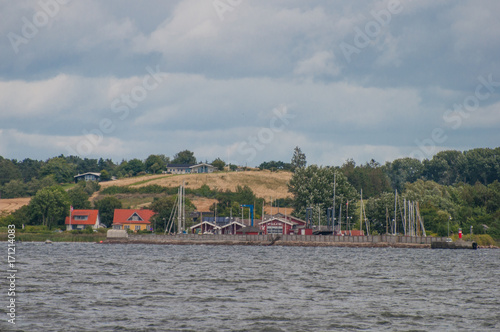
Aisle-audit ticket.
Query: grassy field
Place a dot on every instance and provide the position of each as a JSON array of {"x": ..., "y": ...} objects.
[{"x": 264, "y": 184}]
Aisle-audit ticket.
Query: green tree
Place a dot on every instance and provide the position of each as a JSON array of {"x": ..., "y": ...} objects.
[
  {"x": 62, "y": 171},
  {"x": 403, "y": 170},
  {"x": 163, "y": 208},
  {"x": 79, "y": 198},
  {"x": 184, "y": 157},
  {"x": 134, "y": 167},
  {"x": 105, "y": 175},
  {"x": 312, "y": 186},
  {"x": 14, "y": 189},
  {"x": 8, "y": 171},
  {"x": 106, "y": 207},
  {"x": 50, "y": 206},
  {"x": 154, "y": 164},
  {"x": 219, "y": 164},
  {"x": 298, "y": 159}
]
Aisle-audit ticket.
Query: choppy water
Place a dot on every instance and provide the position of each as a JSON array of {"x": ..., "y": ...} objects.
[{"x": 97, "y": 287}]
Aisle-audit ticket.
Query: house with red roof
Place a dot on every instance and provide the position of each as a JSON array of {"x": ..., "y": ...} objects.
[
  {"x": 79, "y": 219},
  {"x": 134, "y": 219}
]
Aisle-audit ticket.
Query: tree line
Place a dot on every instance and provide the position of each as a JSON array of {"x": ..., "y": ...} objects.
[{"x": 25, "y": 178}]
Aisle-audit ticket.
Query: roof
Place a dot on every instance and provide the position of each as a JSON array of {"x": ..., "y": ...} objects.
[
  {"x": 88, "y": 173},
  {"x": 91, "y": 217},
  {"x": 285, "y": 221},
  {"x": 204, "y": 223},
  {"x": 233, "y": 223},
  {"x": 123, "y": 216},
  {"x": 188, "y": 165}
]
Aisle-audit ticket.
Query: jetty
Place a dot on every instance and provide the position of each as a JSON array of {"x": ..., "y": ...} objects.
[
  {"x": 460, "y": 244},
  {"x": 396, "y": 241}
]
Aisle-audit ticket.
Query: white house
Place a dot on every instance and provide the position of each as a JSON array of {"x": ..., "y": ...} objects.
[{"x": 190, "y": 168}]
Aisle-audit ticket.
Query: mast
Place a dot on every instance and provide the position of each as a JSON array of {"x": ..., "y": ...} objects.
[
  {"x": 340, "y": 215},
  {"x": 333, "y": 211},
  {"x": 395, "y": 212},
  {"x": 361, "y": 212},
  {"x": 404, "y": 219}
]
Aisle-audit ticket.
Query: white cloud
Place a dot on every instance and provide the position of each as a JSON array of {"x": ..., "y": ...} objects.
[{"x": 320, "y": 64}]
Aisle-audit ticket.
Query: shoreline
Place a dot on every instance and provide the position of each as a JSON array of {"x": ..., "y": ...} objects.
[{"x": 283, "y": 244}]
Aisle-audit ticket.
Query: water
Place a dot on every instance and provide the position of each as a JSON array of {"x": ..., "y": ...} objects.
[{"x": 98, "y": 287}]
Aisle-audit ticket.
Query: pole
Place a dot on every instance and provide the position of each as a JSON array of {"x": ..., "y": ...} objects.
[{"x": 333, "y": 211}]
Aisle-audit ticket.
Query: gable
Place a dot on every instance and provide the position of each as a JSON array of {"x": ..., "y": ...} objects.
[{"x": 135, "y": 217}]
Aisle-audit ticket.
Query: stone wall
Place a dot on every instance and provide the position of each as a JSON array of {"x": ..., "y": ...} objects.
[{"x": 219, "y": 238}]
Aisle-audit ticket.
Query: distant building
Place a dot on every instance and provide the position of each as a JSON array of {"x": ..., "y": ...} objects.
[
  {"x": 190, "y": 168},
  {"x": 80, "y": 219},
  {"x": 232, "y": 228},
  {"x": 87, "y": 177},
  {"x": 205, "y": 227},
  {"x": 281, "y": 224},
  {"x": 134, "y": 219}
]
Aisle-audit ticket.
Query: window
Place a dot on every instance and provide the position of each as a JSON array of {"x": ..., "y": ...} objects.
[
  {"x": 135, "y": 217},
  {"x": 137, "y": 228},
  {"x": 274, "y": 229},
  {"x": 81, "y": 217},
  {"x": 126, "y": 227}
]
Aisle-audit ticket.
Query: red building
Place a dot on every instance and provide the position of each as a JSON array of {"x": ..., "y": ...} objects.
[
  {"x": 277, "y": 226},
  {"x": 205, "y": 228},
  {"x": 232, "y": 228}
]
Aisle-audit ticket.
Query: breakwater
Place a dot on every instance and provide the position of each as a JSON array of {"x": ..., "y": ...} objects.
[{"x": 283, "y": 240}]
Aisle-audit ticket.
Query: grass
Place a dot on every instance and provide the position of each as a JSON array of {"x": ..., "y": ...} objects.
[
  {"x": 481, "y": 239},
  {"x": 148, "y": 180},
  {"x": 56, "y": 237}
]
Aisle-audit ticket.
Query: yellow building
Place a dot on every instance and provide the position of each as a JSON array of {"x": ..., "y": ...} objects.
[{"x": 134, "y": 219}]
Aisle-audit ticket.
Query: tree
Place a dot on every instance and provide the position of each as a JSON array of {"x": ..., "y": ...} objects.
[
  {"x": 50, "y": 206},
  {"x": 106, "y": 207},
  {"x": 312, "y": 186},
  {"x": 154, "y": 164},
  {"x": 163, "y": 208},
  {"x": 403, "y": 170},
  {"x": 105, "y": 176},
  {"x": 298, "y": 159},
  {"x": 275, "y": 165},
  {"x": 184, "y": 157},
  {"x": 79, "y": 198},
  {"x": 369, "y": 177},
  {"x": 62, "y": 171},
  {"x": 134, "y": 167},
  {"x": 14, "y": 189},
  {"x": 219, "y": 164},
  {"x": 8, "y": 171}
]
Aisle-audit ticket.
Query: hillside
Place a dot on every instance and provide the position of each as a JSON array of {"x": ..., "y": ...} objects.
[{"x": 264, "y": 184}]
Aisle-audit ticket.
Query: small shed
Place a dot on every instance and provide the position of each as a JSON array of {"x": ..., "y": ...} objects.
[
  {"x": 232, "y": 228},
  {"x": 205, "y": 227}
]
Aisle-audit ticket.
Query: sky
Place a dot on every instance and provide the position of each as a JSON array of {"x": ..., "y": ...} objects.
[{"x": 248, "y": 81}]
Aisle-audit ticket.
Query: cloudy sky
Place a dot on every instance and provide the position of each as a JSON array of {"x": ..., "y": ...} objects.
[{"x": 247, "y": 81}]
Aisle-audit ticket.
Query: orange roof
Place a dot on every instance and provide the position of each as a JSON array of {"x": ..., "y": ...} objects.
[
  {"x": 125, "y": 216},
  {"x": 90, "y": 220}
]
